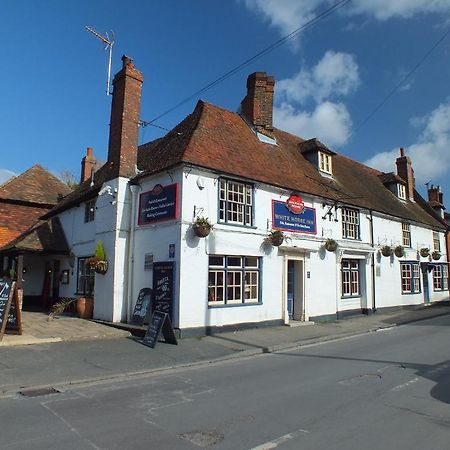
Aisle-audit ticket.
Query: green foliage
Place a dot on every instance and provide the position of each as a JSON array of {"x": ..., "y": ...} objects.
[{"x": 99, "y": 253}]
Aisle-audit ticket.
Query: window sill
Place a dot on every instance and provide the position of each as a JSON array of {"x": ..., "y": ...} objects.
[
  {"x": 411, "y": 293},
  {"x": 237, "y": 225},
  {"x": 350, "y": 296},
  {"x": 233, "y": 305}
]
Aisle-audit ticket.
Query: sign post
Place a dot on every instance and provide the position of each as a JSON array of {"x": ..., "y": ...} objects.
[{"x": 10, "y": 314}]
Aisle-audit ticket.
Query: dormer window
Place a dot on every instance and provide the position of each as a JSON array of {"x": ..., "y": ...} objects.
[
  {"x": 319, "y": 155},
  {"x": 395, "y": 184},
  {"x": 325, "y": 163},
  {"x": 401, "y": 190}
]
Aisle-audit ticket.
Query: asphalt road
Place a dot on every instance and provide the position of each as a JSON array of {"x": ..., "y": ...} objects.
[{"x": 385, "y": 390}]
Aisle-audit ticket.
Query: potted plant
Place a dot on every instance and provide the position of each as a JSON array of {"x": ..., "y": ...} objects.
[
  {"x": 330, "y": 245},
  {"x": 436, "y": 255},
  {"x": 201, "y": 226},
  {"x": 399, "y": 251},
  {"x": 386, "y": 250},
  {"x": 424, "y": 252},
  {"x": 84, "y": 307},
  {"x": 276, "y": 238},
  {"x": 98, "y": 262}
]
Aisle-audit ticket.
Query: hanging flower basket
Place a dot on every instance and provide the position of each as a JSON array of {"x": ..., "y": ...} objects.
[
  {"x": 330, "y": 245},
  {"x": 202, "y": 227},
  {"x": 399, "y": 251},
  {"x": 436, "y": 255},
  {"x": 424, "y": 252},
  {"x": 386, "y": 250},
  {"x": 276, "y": 238},
  {"x": 101, "y": 267}
]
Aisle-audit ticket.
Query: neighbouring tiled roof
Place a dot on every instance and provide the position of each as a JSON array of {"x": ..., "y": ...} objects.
[
  {"x": 221, "y": 140},
  {"x": 15, "y": 219},
  {"x": 391, "y": 177},
  {"x": 46, "y": 237},
  {"x": 36, "y": 185}
]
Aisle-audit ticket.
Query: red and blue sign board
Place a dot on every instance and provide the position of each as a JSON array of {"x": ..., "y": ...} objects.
[
  {"x": 286, "y": 218},
  {"x": 159, "y": 204}
]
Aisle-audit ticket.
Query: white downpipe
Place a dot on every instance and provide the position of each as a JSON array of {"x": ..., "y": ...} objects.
[{"x": 134, "y": 190}]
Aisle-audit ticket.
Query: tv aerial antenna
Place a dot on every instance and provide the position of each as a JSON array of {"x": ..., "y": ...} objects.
[{"x": 109, "y": 41}]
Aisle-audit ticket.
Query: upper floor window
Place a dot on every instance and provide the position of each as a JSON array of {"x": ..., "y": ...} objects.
[
  {"x": 410, "y": 277},
  {"x": 89, "y": 211},
  {"x": 350, "y": 223},
  {"x": 406, "y": 235},
  {"x": 440, "y": 277},
  {"x": 436, "y": 242},
  {"x": 235, "y": 202},
  {"x": 325, "y": 163},
  {"x": 401, "y": 189}
]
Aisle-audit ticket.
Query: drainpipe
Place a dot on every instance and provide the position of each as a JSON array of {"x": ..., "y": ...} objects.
[
  {"x": 134, "y": 190},
  {"x": 372, "y": 265}
]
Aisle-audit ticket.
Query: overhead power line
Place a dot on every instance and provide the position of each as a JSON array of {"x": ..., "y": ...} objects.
[
  {"x": 310, "y": 23},
  {"x": 401, "y": 83}
]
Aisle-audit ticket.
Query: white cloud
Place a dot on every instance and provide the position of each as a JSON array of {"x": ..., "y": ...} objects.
[
  {"x": 5, "y": 175},
  {"x": 330, "y": 122},
  {"x": 430, "y": 155},
  {"x": 335, "y": 74},
  {"x": 288, "y": 15}
]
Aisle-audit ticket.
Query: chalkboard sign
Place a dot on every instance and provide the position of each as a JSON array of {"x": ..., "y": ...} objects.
[
  {"x": 10, "y": 316},
  {"x": 142, "y": 310},
  {"x": 160, "y": 321},
  {"x": 163, "y": 278}
]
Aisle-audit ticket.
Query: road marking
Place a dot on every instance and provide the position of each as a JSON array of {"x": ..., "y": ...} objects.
[
  {"x": 404, "y": 385},
  {"x": 281, "y": 440}
]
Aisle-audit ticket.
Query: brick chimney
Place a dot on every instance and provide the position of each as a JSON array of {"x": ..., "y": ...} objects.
[
  {"x": 436, "y": 199},
  {"x": 406, "y": 172},
  {"x": 123, "y": 132},
  {"x": 257, "y": 106},
  {"x": 87, "y": 165}
]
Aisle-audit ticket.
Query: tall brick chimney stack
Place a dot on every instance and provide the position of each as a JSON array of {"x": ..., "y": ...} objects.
[
  {"x": 257, "y": 106},
  {"x": 123, "y": 132},
  {"x": 406, "y": 172},
  {"x": 436, "y": 199},
  {"x": 87, "y": 165}
]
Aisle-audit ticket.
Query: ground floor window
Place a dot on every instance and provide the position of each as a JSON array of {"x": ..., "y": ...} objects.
[
  {"x": 440, "y": 277},
  {"x": 86, "y": 277},
  {"x": 410, "y": 273},
  {"x": 350, "y": 278},
  {"x": 234, "y": 280}
]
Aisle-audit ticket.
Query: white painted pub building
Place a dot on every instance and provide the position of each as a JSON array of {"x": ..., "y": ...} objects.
[{"x": 337, "y": 219}]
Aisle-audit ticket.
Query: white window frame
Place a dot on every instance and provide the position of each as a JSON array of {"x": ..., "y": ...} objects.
[
  {"x": 406, "y": 234},
  {"x": 436, "y": 241},
  {"x": 235, "y": 202},
  {"x": 410, "y": 277},
  {"x": 350, "y": 278},
  {"x": 234, "y": 284},
  {"x": 440, "y": 277},
  {"x": 401, "y": 190},
  {"x": 350, "y": 224},
  {"x": 325, "y": 164}
]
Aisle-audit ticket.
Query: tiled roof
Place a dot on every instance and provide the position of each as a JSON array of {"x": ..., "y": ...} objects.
[
  {"x": 391, "y": 177},
  {"x": 15, "y": 219},
  {"x": 221, "y": 140},
  {"x": 46, "y": 237},
  {"x": 36, "y": 185}
]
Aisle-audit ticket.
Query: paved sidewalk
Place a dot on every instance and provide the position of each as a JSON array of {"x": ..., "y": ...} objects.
[
  {"x": 37, "y": 329},
  {"x": 72, "y": 361}
]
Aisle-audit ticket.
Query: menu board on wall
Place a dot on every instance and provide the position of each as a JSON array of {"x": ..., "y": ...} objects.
[
  {"x": 159, "y": 204},
  {"x": 163, "y": 281},
  {"x": 286, "y": 220}
]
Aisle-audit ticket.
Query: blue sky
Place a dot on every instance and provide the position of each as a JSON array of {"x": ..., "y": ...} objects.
[{"x": 328, "y": 79}]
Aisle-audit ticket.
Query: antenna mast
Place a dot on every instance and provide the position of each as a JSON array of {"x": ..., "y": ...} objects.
[{"x": 109, "y": 46}]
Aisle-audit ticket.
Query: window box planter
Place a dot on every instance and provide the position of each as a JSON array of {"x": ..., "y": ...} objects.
[
  {"x": 399, "y": 251},
  {"x": 436, "y": 255},
  {"x": 330, "y": 245},
  {"x": 202, "y": 227},
  {"x": 424, "y": 252},
  {"x": 386, "y": 250}
]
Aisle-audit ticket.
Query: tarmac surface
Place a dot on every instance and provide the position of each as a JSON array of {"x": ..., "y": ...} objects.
[{"x": 69, "y": 351}]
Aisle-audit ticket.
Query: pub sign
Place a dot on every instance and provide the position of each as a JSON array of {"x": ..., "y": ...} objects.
[
  {"x": 285, "y": 219},
  {"x": 159, "y": 204}
]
